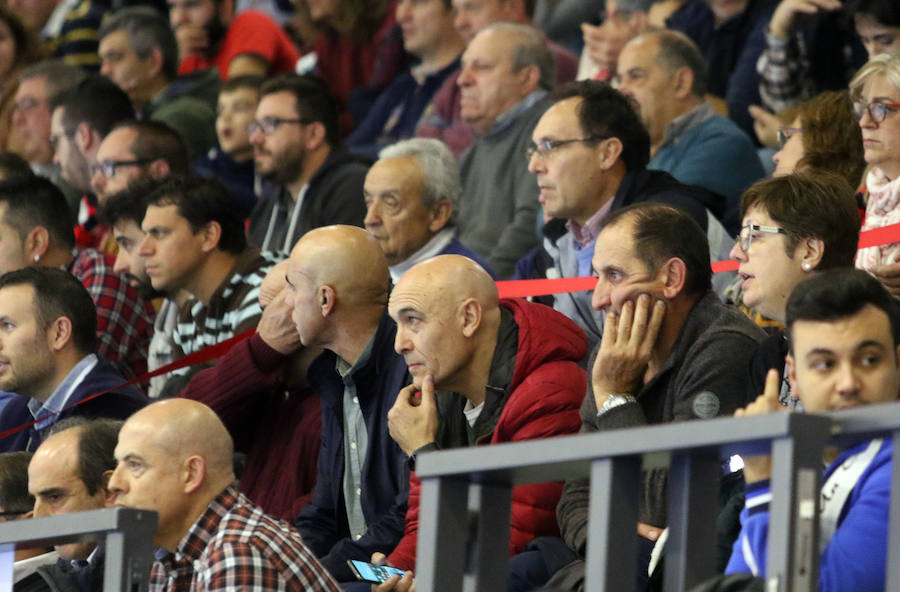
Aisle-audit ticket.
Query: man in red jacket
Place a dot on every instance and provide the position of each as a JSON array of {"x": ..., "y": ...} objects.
[{"x": 505, "y": 370}]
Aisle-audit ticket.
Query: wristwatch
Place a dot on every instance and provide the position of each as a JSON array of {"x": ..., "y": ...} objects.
[{"x": 614, "y": 400}]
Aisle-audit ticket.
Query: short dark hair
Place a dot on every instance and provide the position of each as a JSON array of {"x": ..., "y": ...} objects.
[
  {"x": 97, "y": 101},
  {"x": 97, "y": 440},
  {"x": 129, "y": 204},
  {"x": 34, "y": 201},
  {"x": 838, "y": 294},
  {"x": 201, "y": 201},
  {"x": 886, "y": 12},
  {"x": 677, "y": 50},
  {"x": 13, "y": 166},
  {"x": 14, "y": 496},
  {"x": 313, "y": 101},
  {"x": 245, "y": 81},
  {"x": 660, "y": 232},
  {"x": 58, "y": 294},
  {"x": 604, "y": 112},
  {"x": 147, "y": 30},
  {"x": 821, "y": 206},
  {"x": 154, "y": 141}
]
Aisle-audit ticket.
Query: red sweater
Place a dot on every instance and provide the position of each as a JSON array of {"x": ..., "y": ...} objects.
[{"x": 545, "y": 395}]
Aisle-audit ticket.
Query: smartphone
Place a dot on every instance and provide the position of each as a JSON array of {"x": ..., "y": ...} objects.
[{"x": 374, "y": 574}]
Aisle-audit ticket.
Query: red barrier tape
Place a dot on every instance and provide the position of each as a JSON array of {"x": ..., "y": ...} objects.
[{"x": 507, "y": 289}]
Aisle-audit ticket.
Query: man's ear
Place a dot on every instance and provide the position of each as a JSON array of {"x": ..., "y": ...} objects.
[
  {"x": 530, "y": 77},
  {"x": 195, "y": 472},
  {"x": 470, "y": 313},
  {"x": 327, "y": 300},
  {"x": 610, "y": 151},
  {"x": 314, "y": 135},
  {"x": 440, "y": 215},
  {"x": 212, "y": 234},
  {"x": 37, "y": 242},
  {"x": 156, "y": 61},
  {"x": 673, "y": 274},
  {"x": 59, "y": 334},
  {"x": 84, "y": 137},
  {"x": 683, "y": 79},
  {"x": 159, "y": 169}
]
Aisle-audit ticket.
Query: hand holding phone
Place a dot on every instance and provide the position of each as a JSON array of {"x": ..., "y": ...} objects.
[{"x": 374, "y": 574}]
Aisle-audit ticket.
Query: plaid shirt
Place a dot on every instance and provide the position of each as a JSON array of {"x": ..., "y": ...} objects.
[
  {"x": 235, "y": 546},
  {"x": 124, "y": 318}
]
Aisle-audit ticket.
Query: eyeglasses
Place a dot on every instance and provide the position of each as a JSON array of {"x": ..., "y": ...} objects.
[
  {"x": 786, "y": 133},
  {"x": 745, "y": 236},
  {"x": 108, "y": 167},
  {"x": 877, "y": 110},
  {"x": 267, "y": 125},
  {"x": 545, "y": 147}
]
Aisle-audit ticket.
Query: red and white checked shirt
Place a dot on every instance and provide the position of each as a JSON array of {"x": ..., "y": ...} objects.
[{"x": 235, "y": 546}]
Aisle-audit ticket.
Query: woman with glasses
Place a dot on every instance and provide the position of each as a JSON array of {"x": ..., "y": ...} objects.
[
  {"x": 792, "y": 226},
  {"x": 823, "y": 135},
  {"x": 875, "y": 91}
]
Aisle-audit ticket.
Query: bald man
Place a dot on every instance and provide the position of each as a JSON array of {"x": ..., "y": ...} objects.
[
  {"x": 338, "y": 289},
  {"x": 507, "y": 370},
  {"x": 260, "y": 391},
  {"x": 175, "y": 457}
]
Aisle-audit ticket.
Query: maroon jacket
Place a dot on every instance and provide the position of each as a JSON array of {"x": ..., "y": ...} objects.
[
  {"x": 278, "y": 430},
  {"x": 542, "y": 401}
]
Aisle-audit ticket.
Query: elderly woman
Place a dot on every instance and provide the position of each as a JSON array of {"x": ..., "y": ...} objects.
[
  {"x": 823, "y": 135},
  {"x": 792, "y": 226},
  {"x": 18, "y": 48},
  {"x": 875, "y": 91}
]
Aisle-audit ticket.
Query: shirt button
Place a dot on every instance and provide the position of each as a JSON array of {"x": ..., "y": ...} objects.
[
  {"x": 353, "y": 445},
  {"x": 358, "y": 491},
  {"x": 356, "y": 537},
  {"x": 356, "y": 400}
]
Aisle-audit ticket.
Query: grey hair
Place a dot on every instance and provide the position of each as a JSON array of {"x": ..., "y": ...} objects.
[
  {"x": 147, "y": 30},
  {"x": 438, "y": 166},
  {"x": 531, "y": 50},
  {"x": 887, "y": 65},
  {"x": 677, "y": 50},
  {"x": 59, "y": 76}
]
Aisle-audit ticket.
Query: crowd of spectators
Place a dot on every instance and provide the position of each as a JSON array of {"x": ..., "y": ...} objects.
[{"x": 333, "y": 188}]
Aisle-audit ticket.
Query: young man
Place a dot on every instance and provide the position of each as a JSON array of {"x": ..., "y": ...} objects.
[{"x": 845, "y": 353}]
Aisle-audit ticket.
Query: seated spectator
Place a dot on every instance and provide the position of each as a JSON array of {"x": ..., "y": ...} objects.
[
  {"x": 443, "y": 119},
  {"x": 411, "y": 196},
  {"x": 175, "y": 457},
  {"x": 506, "y": 73},
  {"x": 793, "y": 226},
  {"x": 357, "y": 50},
  {"x": 194, "y": 241},
  {"x": 588, "y": 158},
  {"x": 429, "y": 36},
  {"x": 622, "y": 21},
  {"x": 68, "y": 473},
  {"x": 39, "y": 84},
  {"x": 875, "y": 91},
  {"x": 666, "y": 74},
  {"x": 730, "y": 35},
  {"x": 510, "y": 372},
  {"x": 338, "y": 287},
  {"x": 139, "y": 53},
  {"x": 297, "y": 144},
  {"x": 232, "y": 161},
  {"x": 845, "y": 353},
  {"x": 82, "y": 116},
  {"x": 17, "y": 504},
  {"x": 137, "y": 150},
  {"x": 690, "y": 364},
  {"x": 49, "y": 359},
  {"x": 260, "y": 391},
  {"x": 123, "y": 212},
  {"x": 211, "y": 35},
  {"x": 68, "y": 30},
  {"x": 33, "y": 233},
  {"x": 824, "y": 136},
  {"x": 22, "y": 52}
]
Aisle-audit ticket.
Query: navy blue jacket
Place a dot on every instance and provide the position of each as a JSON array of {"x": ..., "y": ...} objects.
[
  {"x": 385, "y": 475},
  {"x": 118, "y": 404}
]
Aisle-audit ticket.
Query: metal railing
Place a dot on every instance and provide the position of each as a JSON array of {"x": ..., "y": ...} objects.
[
  {"x": 693, "y": 452},
  {"x": 127, "y": 533}
]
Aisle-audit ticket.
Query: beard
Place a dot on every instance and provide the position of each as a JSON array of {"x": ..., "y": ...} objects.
[{"x": 285, "y": 167}]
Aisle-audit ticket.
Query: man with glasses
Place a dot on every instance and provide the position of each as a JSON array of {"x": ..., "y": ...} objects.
[
  {"x": 589, "y": 156},
  {"x": 297, "y": 144},
  {"x": 506, "y": 73},
  {"x": 665, "y": 73}
]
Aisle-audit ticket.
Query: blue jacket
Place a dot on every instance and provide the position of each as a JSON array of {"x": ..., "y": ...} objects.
[
  {"x": 455, "y": 247},
  {"x": 118, "y": 404},
  {"x": 855, "y": 558},
  {"x": 385, "y": 473}
]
